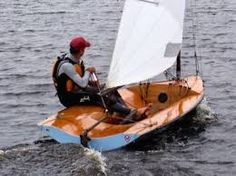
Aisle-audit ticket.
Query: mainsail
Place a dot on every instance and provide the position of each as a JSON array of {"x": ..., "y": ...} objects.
[{"x": 148, "y": 42}]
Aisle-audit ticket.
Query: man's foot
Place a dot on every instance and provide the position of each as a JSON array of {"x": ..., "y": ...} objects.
[
  {"x": 137, "y": 115},
  {"x": 143, "y": 113}
]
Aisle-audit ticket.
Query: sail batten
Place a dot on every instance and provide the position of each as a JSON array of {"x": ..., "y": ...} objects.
[
  {"x": 148, "y": 42},
  {"x": 151, "y": 2}
]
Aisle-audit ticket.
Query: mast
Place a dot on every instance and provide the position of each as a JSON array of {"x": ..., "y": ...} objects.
[{"x": 178, "y": 66}]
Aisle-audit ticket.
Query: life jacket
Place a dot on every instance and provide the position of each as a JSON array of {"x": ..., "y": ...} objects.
[{"x": 63, "y": 83}]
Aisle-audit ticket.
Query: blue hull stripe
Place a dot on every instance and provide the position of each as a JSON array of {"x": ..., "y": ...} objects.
[{"x": 99, "y": 144}]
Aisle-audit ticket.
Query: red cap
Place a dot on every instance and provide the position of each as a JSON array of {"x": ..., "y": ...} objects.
[{"x": 79, "y": 43}]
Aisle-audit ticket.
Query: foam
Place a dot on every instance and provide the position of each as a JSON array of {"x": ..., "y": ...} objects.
[
  {"x": 98, "y": 158},
  {"x": 2, "y": 152},
  {"x": 204, "y": 113}
]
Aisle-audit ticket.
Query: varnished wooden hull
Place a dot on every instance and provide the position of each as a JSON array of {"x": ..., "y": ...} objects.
[{"x": 171, "y": 100}]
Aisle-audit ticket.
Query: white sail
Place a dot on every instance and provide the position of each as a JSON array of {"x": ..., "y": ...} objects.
[{"x": 148, "y": 41}]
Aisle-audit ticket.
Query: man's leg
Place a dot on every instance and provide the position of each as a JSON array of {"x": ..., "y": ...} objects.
[
  {"x": 116, "y": 105},
  {"x": 84, "y": 98},
  {"x": 90, "y": 97}
]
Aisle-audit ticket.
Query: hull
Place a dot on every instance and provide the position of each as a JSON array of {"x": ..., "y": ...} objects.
[{"x": 171, "y": 101}]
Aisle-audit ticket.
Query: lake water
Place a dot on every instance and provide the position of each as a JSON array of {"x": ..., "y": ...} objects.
[{"x": 34, "y": 32}]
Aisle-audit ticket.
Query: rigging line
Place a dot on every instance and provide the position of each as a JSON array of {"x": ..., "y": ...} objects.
[
  {"x": 142, "y": 89},
  {"x": 170, "y": 76},
  {"x": 167, "y": 74},
  {"x": 195, "y": 30},
  {"x": 200, "y": 55},
  {"x": 141, "y": 92},
  {"x": 147, "y": 90},
  {"x": 185, "y": 87}
]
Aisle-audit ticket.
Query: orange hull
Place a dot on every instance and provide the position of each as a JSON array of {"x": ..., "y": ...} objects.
[{"x": 170, "y": 101}]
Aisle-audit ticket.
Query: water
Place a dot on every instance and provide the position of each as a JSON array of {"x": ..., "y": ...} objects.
[{"x": 33, "y": 32}]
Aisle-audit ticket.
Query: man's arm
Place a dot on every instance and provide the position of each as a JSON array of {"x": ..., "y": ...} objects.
[{"x": 69, "y": 70}]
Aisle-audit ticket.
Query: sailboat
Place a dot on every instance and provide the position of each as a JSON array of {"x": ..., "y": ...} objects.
[{"x": 149, "y": 42}]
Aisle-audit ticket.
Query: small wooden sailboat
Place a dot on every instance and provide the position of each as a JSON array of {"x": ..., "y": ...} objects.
[{"x": 149, "y": 42}]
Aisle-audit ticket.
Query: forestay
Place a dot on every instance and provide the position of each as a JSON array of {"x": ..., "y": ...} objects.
[{"x": 148, "y": 41}]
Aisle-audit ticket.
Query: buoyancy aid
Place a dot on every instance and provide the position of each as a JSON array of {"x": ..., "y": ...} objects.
[{"x": 63, "y": 83}]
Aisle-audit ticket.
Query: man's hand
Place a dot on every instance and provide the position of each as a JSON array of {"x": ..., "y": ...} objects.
[{"x": 91, "y": 69}]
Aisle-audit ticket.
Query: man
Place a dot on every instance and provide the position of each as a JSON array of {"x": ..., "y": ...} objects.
[{"x": 73, "y": 81}]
